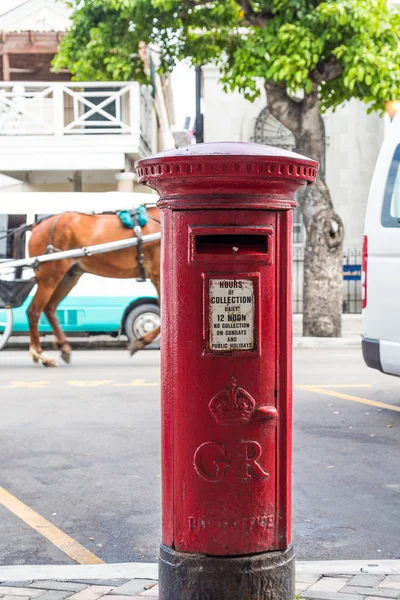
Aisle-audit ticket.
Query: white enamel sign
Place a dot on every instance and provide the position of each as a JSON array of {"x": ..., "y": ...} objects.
[{"x": 231, "y": 314}]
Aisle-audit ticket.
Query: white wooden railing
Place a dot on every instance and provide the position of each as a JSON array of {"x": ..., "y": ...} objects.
[{"x": 58, "y": 109}]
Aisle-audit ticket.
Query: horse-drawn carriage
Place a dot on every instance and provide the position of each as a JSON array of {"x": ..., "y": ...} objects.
[{"x": 62, "y": 247}]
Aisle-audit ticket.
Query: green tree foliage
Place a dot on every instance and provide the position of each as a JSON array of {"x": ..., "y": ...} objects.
[
  {"x": 349, "y": 48},
  {"x": 310, "y": 55}
]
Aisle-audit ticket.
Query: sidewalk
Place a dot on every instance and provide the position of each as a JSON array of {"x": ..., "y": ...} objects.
[
  {"x": 323, "y": 580},
  {"x": 351, "y": 338}
]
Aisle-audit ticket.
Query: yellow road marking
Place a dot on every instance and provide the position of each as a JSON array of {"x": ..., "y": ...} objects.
[
  {"x": 135, "y": 383},
  {"x": 57, "y": 537},
  {"x": 95, "y": 383},
  {"x": 28, "y": 384},
  {"x": 318, "y": 390},
  {"x": 77, "y": 383},
  {"x": 335, "y": 385}
]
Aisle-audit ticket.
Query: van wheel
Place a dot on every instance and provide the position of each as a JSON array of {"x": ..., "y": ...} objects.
[{"x": 141, "y": 320}]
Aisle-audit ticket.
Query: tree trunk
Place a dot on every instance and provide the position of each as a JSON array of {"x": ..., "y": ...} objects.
[{"x": 323, "y": 266}]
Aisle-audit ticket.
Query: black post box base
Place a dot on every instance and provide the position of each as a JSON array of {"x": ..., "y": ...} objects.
[{"x": 265, "y": 576}]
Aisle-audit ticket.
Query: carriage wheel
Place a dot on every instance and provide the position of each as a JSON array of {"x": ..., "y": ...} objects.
[{"x": 6, "y": 325}]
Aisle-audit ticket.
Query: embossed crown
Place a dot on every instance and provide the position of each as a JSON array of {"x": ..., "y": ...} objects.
[{"x": 232, "y": 404}]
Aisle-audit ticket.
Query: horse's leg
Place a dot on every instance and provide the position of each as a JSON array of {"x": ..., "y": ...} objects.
[
  {"x": 62, "y": 290},
  {"x": 42, "y": 296},
  {"x": 48, "y": 277},
  {"x": 145, "y": 340}
]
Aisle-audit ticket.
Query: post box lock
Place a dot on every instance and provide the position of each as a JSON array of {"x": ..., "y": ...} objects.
[{"x": 266, "y": 413}]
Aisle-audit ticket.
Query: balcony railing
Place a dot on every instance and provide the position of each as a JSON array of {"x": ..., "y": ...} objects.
[{"x": 64, "y": 109}]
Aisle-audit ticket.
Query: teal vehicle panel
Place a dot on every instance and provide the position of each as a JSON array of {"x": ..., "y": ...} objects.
[{"x": 82, "y": 313}]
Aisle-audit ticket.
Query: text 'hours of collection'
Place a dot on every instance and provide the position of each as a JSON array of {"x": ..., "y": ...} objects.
[{"x": 231, "y": 314}]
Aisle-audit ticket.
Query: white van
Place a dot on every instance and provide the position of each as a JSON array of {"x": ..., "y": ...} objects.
[{"x": 381, "y": 260}]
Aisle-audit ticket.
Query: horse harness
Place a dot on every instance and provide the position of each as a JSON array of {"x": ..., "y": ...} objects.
[
  {"x": 136, "y": 227},
  {"x": 138, "y": 232},
  {"x": 50, "y": 248}
]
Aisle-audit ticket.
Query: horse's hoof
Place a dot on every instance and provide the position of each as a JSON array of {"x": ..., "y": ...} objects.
[
  {"x": 66, "y": 356},
  {"x": 47, "y": 361},
  {"x": 135, "y": 347},
  {"x": 35, "y": 355},
  {"x": 132, "y": 349}
]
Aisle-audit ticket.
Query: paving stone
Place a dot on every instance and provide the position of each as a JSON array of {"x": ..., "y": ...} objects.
[
  {"x": 390, "y": 581},
  {"x": 132, "y": 587},
  {"x": 54, "y": 595},
  {"x": 20, "y": 591},
  {"x": 92, "y": 592},
  {"x": 122, "y": 597},
  {"x": 362, "y": 591},
  {"x": 15, "y": 583},
  {"x": 112, "y": 582},
  {"x": 301, "y": 587},
  {"x": 366, "y": 580},
  {"x": 375, "y": 598},
  {"x": 8, "y": 597},
  {"x": 329, "y": 596},
  {"x": 151, "y": 593},
  {"x": 329, "y": 584},
  {"x": 67, "y": 586},
  {"x": 309, "y": 578}
]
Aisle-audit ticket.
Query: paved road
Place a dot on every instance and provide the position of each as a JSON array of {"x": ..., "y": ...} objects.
[{"x": 80, "y": 448}]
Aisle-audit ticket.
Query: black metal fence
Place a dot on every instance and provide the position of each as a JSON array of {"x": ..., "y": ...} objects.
[{"x": 351, "y": 281}]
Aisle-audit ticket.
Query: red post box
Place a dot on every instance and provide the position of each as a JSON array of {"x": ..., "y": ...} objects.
[{"x": 226, "y": 368}]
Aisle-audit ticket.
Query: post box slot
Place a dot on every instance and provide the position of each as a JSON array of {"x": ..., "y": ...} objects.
[{"x": 232, "y": 244}]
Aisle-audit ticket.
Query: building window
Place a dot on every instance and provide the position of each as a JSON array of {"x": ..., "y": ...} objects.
[
  {"x": 268, "y": 130},
  {"x": 298, "y": 227}
]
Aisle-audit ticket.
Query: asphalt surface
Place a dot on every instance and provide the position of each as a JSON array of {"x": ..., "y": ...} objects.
[{"x": 80, "y": 446}]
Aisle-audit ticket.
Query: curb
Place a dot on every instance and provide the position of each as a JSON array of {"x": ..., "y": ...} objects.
[
  {"x": 150, "y": 570},
  {"x": 299, "y": 342},
  {"x": 349, "y": 567},
  {"x": 313, "y": 343},
  {"x": 90, "y": 343}
]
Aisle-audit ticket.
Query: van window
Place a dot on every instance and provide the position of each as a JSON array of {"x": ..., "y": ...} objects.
[{"x": 391, "y": 200}]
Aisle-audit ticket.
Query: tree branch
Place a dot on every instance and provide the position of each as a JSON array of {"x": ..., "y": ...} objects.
[
  {"x": 252, "y": 17},
  {"x": 282, "y": 107},
  {"x": 194, "y": 3},
  {"x": 191, "y": 4},
  {"x": 326, "y": 70}
]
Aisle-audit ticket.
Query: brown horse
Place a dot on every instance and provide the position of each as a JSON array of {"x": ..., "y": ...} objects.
[{"x": 56, "y": 279}]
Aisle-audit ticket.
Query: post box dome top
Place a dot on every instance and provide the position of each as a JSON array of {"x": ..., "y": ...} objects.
[
  {"x": 221, "y": 165},
  {"x": 228, "y": 149}
]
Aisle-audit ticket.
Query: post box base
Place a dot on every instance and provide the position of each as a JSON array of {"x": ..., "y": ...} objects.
[{"x": 265, "y": 576}]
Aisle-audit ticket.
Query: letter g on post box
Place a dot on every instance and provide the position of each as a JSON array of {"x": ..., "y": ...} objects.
[{"x": 226, "y": 368}]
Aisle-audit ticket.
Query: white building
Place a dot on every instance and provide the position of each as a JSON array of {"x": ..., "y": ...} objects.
[
  {"x": 352, "y": 143},
  {"x": 58, "y": 135}
]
